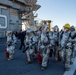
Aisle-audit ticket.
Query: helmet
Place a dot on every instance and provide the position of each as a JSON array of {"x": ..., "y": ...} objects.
[
  {"x": 67, "y": 26},
  {"x": 56, "y": 27},
  {"x": 33, "y": 28},
  {"x": 38, "y": 26},
  {"x": 72, "y": 27},
  {"x": 8, "y": 33},
  {"x": 28, "y": 30}
]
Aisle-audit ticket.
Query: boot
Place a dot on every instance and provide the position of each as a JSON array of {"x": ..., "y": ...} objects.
[
  {"x": 28, "y": 62},
  {"x": 9, "y": 59},
  {"x": 12, "y": 58},
  {"x": 71, "y": 63},
  {"x": 67, "y": 69},
  {"x": 55, "y": 60},
  {"x": 43, "y": 68}
]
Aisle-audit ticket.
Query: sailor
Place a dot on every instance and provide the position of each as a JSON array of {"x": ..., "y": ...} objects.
[
  {"x": 10, "y": 45},
  {"x": 29, "y": 51},
  {"x": 66, "y": 47},
  {"x": 45, "y": 26},
  {"x": 44, "y": 50},
  {"x": 73, "y": 40},
  {"x": 55, "y": 42},
  {"x": 35, "y": 41}
]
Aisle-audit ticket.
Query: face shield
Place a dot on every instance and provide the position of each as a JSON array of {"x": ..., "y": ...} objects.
[
  {"x": 72, "y": 28},
  {"x": 28, "y": 32},
  {"x": 55, "y": 29}
]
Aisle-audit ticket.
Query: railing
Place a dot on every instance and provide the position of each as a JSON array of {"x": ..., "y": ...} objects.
[{"x": 31, "y": 2}]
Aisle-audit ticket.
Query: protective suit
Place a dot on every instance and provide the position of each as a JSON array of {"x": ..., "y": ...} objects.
[
  {"x": 10, "y": 45},
  {"x": 73, "y": 40},
  {"x": 35, "y": 41},
  {"x": 45, "y": 26},
  {"x": 29, "y": 50},
  {"x": 51, "y": 43},
  {"x": 44, "y": 49},
  {"x": 55, "y": 42},
  {"x": 66, "y": 47}
]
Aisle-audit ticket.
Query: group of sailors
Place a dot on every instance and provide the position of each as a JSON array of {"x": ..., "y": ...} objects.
[{"x": 40, "y": 44}]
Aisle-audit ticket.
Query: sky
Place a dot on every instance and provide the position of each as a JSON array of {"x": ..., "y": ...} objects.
[{"x": 59, "y": 12}]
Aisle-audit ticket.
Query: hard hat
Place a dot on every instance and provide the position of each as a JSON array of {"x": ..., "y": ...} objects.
[{"x": 67, "y": 26}]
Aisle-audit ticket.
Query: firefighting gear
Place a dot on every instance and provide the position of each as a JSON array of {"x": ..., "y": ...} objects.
[
  {"x": 44, "y": 38},
  {"x": 67, "y": 26},
  {"x": 45, "y": 57},
  {"x": 55, "y": 28},
  {"x": 10, "y": 50},
  {"x": 65, "y": 56},
  {"x": 33, "y": 28},
  {"x": 30, "y": 41},
  {"x": 73, "y": 44},
  {"x": 10, "y": 46},
  {"x": 9, "y": 36},
  {"x": 55, "y": 40},
  {"x": 39, "y": 58},
  {"x": 29, "y": 54},
  {"x": 72, "y": 27},
  {"x": 43, "y": 52},
  {"x": 45, "y": 26},
  {"x": 14, "y": 38},
  {"x": 9, "y": 39},
  {"x": 45, "y": 43},
  {"x": 28, "y": 30},
  {"x": 8, "y": 33},
  {"x": 66, "y": 50}
]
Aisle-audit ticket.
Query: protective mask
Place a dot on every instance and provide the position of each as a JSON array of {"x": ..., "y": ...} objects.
[
  {"x": 65, "y": 30},
  {"x": 56, "y": 29}
]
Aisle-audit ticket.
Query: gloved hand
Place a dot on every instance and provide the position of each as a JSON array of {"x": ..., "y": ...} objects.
[
  {"x": 75, "y": 39},
  {"x": 70, "y": 40},
  {"x": 51, "y": 38}
]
